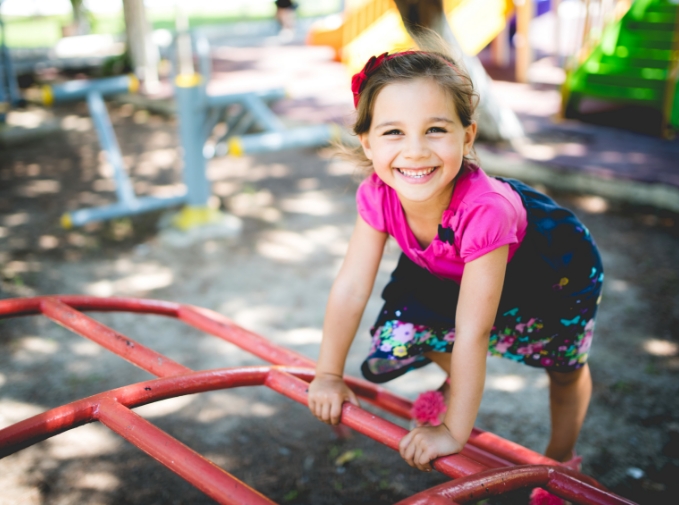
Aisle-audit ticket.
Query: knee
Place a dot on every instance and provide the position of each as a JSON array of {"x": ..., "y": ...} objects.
[{"x": 568, "y": 378}]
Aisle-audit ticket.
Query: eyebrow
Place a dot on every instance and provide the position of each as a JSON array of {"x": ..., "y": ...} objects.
[{"x": 431, "y": 119}]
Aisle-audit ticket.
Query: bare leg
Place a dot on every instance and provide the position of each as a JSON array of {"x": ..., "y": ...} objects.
[
  {"x": 569, "y": 395},
  {"x": 442, "y": 359}
]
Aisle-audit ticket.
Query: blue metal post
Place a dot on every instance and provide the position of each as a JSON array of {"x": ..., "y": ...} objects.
[
  {"x": 294, "y": 138},
  {"x": 78, "y": 90},
  {"x": 192, "y": 111},
  {"x": 9, "y": 89},
  {"x": 128, "y": 203},
  {"x": 109, "y": 143}
]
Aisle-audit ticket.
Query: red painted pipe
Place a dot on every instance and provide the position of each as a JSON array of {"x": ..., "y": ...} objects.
[
  {"x": 374, "y": 427},
  {"x": 508, "y": 450},
  {"x": 47, "y": 424},
  {"x": 478, "y": 483},
  {"x": 137, "y": 354},
  {"x": 559, "y": 480},
  {"x": 490, "y": 449},
  {"x": 14, "y": 307},
  {"x": 188, "y": 464},
  {"x": 485, "y": 448}
]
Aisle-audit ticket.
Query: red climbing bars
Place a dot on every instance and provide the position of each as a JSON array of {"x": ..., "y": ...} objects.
[{"x": 484, "y": 467}]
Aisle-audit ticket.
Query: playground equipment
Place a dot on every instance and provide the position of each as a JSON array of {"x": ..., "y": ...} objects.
[
  {"x": 636, "y": 62},
  {"x": 372, "y": 27},
  {"x": 489, "y": 465},
  {"x": 199, "y": 113},
  {"x": 94, "y": 91},
  {"x": 9, "y": 89}
]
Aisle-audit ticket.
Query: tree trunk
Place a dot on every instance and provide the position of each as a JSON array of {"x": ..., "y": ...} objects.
[
  {"x": 143, "y": 52},
  {"x": 495, "y": 122}
]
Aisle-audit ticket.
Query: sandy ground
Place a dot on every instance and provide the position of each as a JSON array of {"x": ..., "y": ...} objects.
[{"x": 298, "y": 210}]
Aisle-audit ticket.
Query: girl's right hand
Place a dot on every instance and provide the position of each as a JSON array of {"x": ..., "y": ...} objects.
[{"x": 327, "y": 393}]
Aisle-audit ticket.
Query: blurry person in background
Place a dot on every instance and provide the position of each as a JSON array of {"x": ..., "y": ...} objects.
[{"x": 285, "y": 15}]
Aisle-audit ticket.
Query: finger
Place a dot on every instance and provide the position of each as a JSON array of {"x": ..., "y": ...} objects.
[
  {"x": 423, "y": 460},
  {"x": 409, "y": 452},
  {"x": 417, "y": 457},
  {"x": 319, "y": 411},
  {"x": 353, "y": 399},
  {"x": 335, "y": 411},
  {"x": 325, "y": 412},
  {"x": 405, "y": 441}
]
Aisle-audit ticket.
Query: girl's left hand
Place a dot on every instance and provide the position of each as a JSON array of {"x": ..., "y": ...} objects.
[{"x": 426, "y": 443}]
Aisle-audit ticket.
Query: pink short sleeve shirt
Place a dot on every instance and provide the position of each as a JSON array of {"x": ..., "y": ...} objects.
[{"x": 484, "y": 214}]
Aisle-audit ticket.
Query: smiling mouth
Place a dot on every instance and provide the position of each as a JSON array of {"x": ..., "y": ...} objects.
[{"x": 416, "y": 174}]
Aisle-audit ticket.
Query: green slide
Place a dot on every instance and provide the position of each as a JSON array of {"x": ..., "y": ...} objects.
[{"x": 636, "y": 62}]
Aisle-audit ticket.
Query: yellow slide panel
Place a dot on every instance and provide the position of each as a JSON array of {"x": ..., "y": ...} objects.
[
  {"x": 385, "y": 34},
  {"x": 373, "y": 27},
  {"x": 476, "y": 23}
]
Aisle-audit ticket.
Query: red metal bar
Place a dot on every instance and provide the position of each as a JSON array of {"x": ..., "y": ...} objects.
[
  {"x": 137, "y": 354},
  {"x": 222, "y": 327},
  {"x": 42, "y": 426},
  {"x": 508, "y": 450},
  {"x": 374, "y": 427},
  {"x": 188, "y": 464},
  {"x": 487, "y": 448},
  {"x": 559, "y": 480},
  {"x": 14, "y": 307},
  {"x": 484, "y": 449}
]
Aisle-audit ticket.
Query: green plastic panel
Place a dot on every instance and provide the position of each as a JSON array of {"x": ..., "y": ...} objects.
[{"x": 632, "y": 62}]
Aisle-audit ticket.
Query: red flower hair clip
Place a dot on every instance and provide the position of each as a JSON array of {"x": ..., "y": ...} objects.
[{"x": 358, "y": 80}]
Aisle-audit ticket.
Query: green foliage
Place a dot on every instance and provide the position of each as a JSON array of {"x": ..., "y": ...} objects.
[{"x": 117, "y": 65}]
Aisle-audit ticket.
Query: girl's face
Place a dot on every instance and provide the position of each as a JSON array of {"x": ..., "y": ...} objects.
[{"x": 416, "y": 140}]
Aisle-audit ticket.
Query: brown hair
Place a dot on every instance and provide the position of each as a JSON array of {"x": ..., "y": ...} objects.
[{"x": 414, "y": 65}]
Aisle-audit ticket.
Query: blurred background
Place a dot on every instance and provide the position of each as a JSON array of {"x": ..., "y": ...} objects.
[{"x": 183, "y": 151}]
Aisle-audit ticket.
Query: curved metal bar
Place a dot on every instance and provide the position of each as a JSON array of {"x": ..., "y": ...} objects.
[
  {"x": 561, "y": 481},
  {"x": 369, "y": 424},
  {"x": 60, "y": 419},
  {"x": 475, "y": 480},
  {"x": 487, "y": 448},
  {"x": 14, "y": 307},
  {"x": 185, "y": 462},
  {"x": 137, "y": 354}
]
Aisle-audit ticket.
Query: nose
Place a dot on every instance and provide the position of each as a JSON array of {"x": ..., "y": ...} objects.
[{"x": 416, "y": 147}]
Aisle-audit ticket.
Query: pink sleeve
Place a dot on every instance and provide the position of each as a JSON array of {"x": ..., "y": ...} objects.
[
  {"x": 490, "y": 223},
  {"x": 370, "y": 202}
]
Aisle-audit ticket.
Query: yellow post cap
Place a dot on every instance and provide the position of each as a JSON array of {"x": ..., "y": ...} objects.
[
  {"x": 66, "y": 221},
  {"x": 134, "y": 84},
  {"x": 235, "y": 146},
  {"x": 192, "y": 217},
  {"x": 188, "y": 80},
  {"x": 47, "y": 95}
]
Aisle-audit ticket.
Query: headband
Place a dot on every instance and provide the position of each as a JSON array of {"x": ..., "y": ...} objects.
[{"x": 358, "y": 80}]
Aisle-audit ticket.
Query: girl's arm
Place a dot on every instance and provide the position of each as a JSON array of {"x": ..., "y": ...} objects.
[
  {"x": 347, "y": 300},
  {"x": 477, "y": 306}
]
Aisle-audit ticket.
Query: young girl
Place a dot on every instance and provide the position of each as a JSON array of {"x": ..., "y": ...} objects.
[{"x": 489, "y": 266}]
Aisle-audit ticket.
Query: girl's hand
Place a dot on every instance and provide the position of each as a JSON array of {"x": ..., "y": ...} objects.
[
  {"x": 327, "y": 393},
  {"x": 426, "y": 443}
]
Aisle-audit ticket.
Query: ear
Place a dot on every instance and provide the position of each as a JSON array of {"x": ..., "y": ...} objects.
[
  {"x": 469, "y": 137},
  {"x": 365, "y": 142}
]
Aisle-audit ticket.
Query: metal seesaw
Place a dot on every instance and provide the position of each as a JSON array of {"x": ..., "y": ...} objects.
[{"x": 488, "y": 465}]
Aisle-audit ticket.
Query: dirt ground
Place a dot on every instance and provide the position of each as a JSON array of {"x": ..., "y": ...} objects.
[{"x": 297, "y": 209}]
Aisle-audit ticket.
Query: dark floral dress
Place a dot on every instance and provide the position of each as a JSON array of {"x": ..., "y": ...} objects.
[{"x": 547, "y": 310}]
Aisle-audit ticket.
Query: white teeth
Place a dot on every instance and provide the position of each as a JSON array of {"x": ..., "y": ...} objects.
[{"x": 416, "y": 174}]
